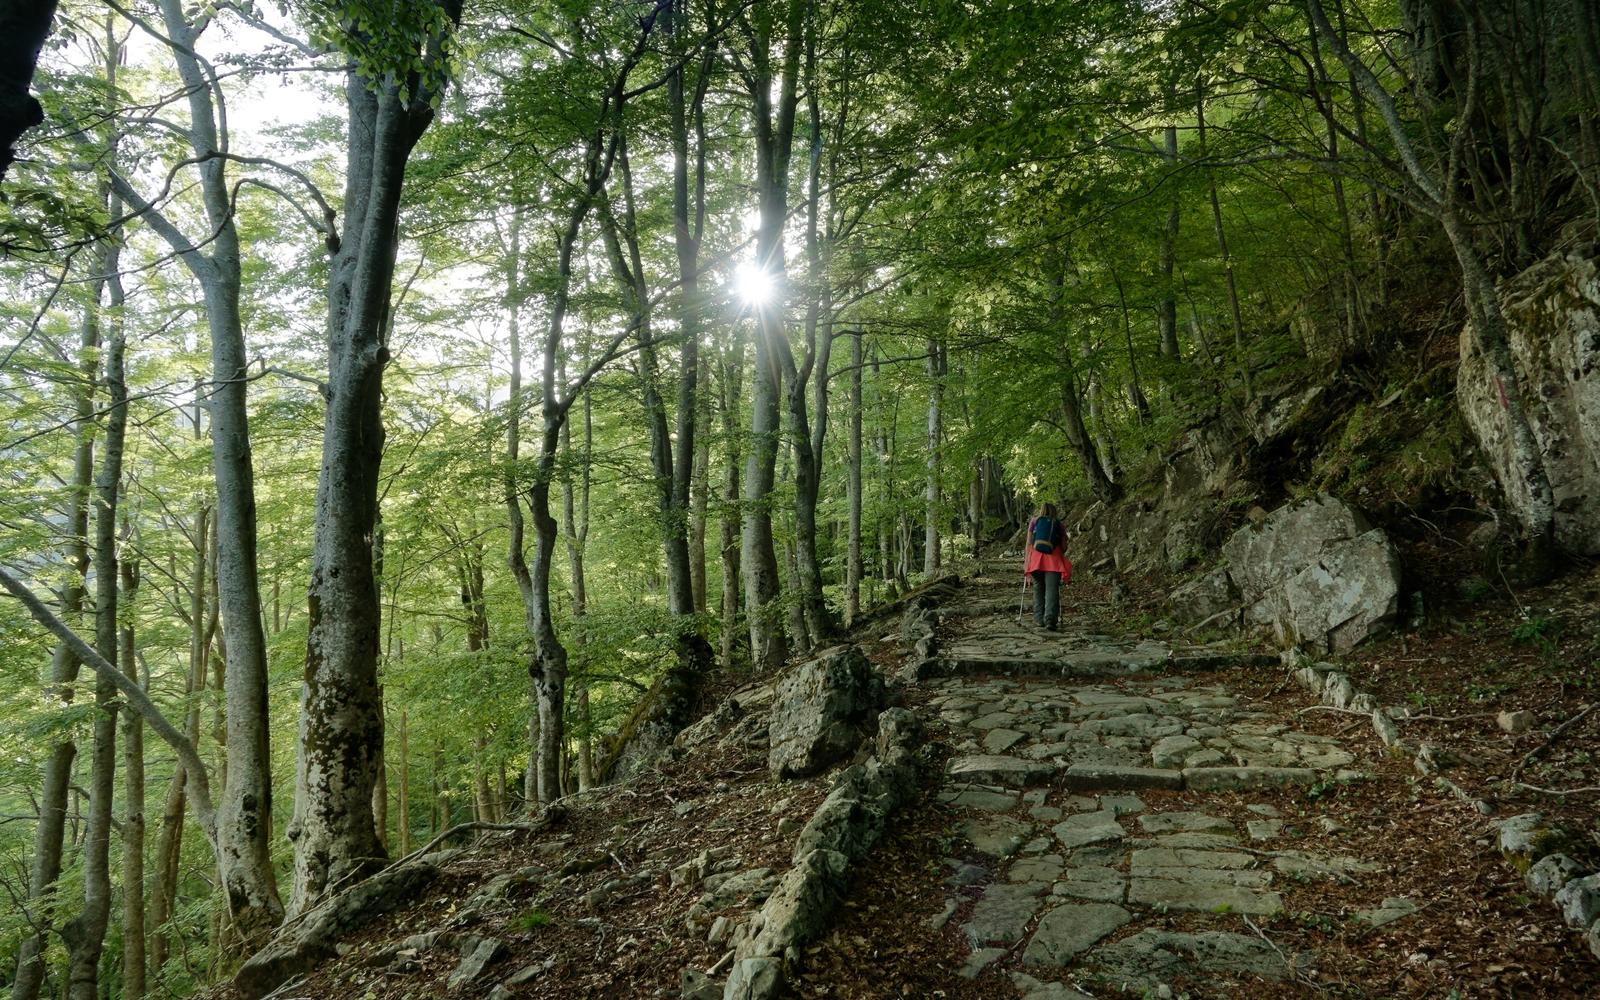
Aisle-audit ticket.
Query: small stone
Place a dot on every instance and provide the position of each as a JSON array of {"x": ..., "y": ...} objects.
[
  {"x": 997, "y": 836},
  {"x": 1264, "y": 829},
  {"x": 1548, "y": 875},
  {"x": 1579, "y": 901},
  {"x": 487, "y": 952},
  {"x": 1515, "y": 722},
  {"x": 1520, "y": 835},
  {"x": 719, "y": 931},
  {"x": 1393, "y": 908},
  {"x": 979, "y": 960},
  {"x": 1262, "y": 809},
  {"x": 1202, "y": 897},
  {"x": 938, "y": 920},
  {"x": 979, "y": 797},
  {"x": 788, "y": 826},
  {"x": 1330, "y": 825},
  {"x": 696, "y": 985},
  {"x": 1122, "y": 805},
  {"x": 1002, "y": 913}
]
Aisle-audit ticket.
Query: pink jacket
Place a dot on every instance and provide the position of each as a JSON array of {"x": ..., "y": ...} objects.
[{"x": 1050, "y": 562}]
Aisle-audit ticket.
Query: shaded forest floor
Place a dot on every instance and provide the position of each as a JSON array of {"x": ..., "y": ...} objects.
[{"x": 595, "y": 908}]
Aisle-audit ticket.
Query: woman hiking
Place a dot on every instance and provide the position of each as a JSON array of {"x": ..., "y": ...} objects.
[{"x": 1047, "y": 566}]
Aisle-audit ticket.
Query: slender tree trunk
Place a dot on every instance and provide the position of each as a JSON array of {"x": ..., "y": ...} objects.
[
  {"x": 774, "y": 130},
  {"x": 936, "y": 373},
  {"x": 403, "y": 804},
  {"x": 730, "y": 384},
  {"x": 50, "y": 831},
  {"x": 1136, "y": 396},
  {"x": 133, "y": 822},
  {"x": 1167, "y": 306},
  {"x": 852, "y": 589},
  {"x": 85, "y": 935},
  {"x": 1222, "y": 243}
]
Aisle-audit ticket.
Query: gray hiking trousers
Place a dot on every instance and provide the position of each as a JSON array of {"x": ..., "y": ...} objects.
[{"x": 1046, "y": 598}]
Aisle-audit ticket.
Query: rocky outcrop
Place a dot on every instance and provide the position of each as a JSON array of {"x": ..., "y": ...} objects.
[
  {"x": 1553, "y": 311},
  {"x": 1317, "y": 574},
  {"x": 842, "y": 830},
  {"x": 819, "y": 710},
  {"x": 312, "y": 939}
]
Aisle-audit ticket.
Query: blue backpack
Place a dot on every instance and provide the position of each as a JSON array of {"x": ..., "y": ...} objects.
[{"x": 1044, "y": 534}]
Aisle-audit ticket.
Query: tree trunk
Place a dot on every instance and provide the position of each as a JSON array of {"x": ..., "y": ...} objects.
[
  {"x": 1222, "y": 243},
  {"x": 50, "y": 831},
  {"x": 133, "y": 821},
  {"x": 852, "y": 588},
  {"x": 930, "y": 538},
  {"x": 1167, "y": 306},
  {"x": 774, "y": 135},
  {"x": 730, "y": 385},
  {"x": 341, "y": 719},
  {"x": 85, "y": 935},
  {"x": 403, "y": 802}
]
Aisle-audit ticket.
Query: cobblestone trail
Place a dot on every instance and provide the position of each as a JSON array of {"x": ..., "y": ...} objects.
[{"x": 1102, "y": 788}]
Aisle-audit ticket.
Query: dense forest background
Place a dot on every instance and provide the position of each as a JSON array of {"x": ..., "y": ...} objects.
[{"x": 410, "y": 404}]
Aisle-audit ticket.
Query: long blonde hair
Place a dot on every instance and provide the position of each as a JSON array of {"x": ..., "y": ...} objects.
[{"x": 1047, "y": 510}]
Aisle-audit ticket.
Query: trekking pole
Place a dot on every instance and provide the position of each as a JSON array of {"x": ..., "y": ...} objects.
[{"x": 1022, "y": 598}]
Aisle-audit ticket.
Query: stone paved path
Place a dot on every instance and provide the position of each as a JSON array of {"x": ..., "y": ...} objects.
[{"x": 1103, "y": 789}]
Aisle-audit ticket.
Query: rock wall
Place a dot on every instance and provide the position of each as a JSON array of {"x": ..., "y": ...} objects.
[
  {"x": 1553, "y": 310},
  {"x": 819, "y": 710}
]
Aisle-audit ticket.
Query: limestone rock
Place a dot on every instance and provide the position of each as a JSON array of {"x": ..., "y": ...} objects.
[
  {"x": 696, "y": 985},
  {"x": 1579, "y": 901},
  {"x": 1515, "y": 722},
  {"x": 1521, "y": 835},
  {"x": 483, "y": 954},
  {"x": 312, "y": 939},
  {"x": 818, "y": 710},
  {"x": 1553, "y": 311},
  {"x": 1204, "y": 597},
  {"x": 1068, "y": 931},
  {"x": 754, "y": 979},
  {"x": 798, "y": 907},
  {"x": 998, "y": 769},
  {"x": 1548, "y": 875},
  {"x": 1317, "y": 573}
]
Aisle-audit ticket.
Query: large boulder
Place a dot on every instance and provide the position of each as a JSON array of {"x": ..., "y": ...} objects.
[
  {"x": 1553, "y": 311},
  {"x": 820, "y": 707},
  {"x": 1317, "y": 574}
]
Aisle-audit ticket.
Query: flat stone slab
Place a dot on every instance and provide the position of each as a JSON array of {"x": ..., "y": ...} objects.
[
  {"x": 1183, "y": 822},
  {"x": 1091, "y": 777},
  {"x": 998, "y": 769},
  {"x": 1003, "y": 912},
  {"x": 1201, "y": 897},
  {"x": 1333, "y": 866},
  {"x": 996, "y": 836},
  {"x": 1177, "y": 857},
  {"x": 1151, "y": 957},
  {"x": 1394, "y": 908},
  {"x": 978, "y": 797},
  {"x": 1104, "y": 885},
  {"x": 1083, "y": 829},
  {"x": 1002, "y": 739},
  {"x": 1068, "y": 931},
  {"x": 1239, "y": 779}
]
